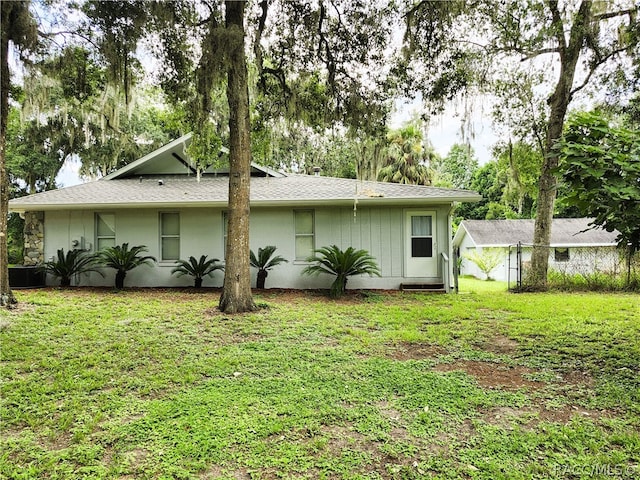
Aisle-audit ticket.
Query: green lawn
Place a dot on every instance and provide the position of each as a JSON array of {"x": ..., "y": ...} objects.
[{"x": 158, "y": 384}]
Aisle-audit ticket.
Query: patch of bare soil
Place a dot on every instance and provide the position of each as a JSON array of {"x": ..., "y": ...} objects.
[
  {"x": 217, "y": 471},
  {"x": 531, "y": 416},
  {"x": 61, "y": 441},
  {"x": 500, "y": 344},
  {"x": 576, "y": 377},
  {"x": 415, "y": 351},
  {"x": 493, "y": 375},
  {"x": 15, "y": 310}
]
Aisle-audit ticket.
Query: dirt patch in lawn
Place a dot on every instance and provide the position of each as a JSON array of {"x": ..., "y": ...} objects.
[
  {"x": 415, "y": 351},
  {"x": 500, "y": 344},
  {"x": 493, "y": 375},
  {"x": 530, "y": 417},
  {"x": 577, "y": 377}
]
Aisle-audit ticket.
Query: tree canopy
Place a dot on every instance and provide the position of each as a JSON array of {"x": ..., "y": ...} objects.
[{"x": 601, "y": 166}]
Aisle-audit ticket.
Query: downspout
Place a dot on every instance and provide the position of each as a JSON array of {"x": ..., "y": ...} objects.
[{"x": 453, "y": 260}]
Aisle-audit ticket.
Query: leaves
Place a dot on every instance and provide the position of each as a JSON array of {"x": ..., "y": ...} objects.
[
  {"x": 407, "y": 159},
  {"x": 73, "y": 263},
  {"x": 486, "y": 260},
  {"x": 197, "y": 268},
  {"x": 342, "y": 264},
  {"x": 123, "y": 258},
  {"x": 266, "y": 259},
  {"x": 601, "y": 169}
]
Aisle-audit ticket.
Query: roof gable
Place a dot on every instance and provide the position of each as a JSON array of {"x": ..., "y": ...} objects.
[{"x": 172, "y": 159}]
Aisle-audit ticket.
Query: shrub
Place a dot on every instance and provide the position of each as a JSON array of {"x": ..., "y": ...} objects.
[
  {"x": 487, "y": 260},
  {"x": 264, "y": 262},
  {"x": 73, "y": 263},
  {"x": 334, "y": 261},
  {"x": 590, "y": 282},
  {"x": 198, "y": 269},
  {"x": 123, "y": 259}
]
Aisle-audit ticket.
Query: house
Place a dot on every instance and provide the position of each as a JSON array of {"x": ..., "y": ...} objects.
[
  {"x": 575, "y": 247},
  {"x": 160, "y": 201}
]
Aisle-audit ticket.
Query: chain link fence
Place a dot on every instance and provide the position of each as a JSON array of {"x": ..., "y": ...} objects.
[{"x": 577, "y": 268}]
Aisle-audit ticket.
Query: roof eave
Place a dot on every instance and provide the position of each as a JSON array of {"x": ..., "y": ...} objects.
[
  {"x": 553, "y": 245},
  {"x": 366, "y": 201}
]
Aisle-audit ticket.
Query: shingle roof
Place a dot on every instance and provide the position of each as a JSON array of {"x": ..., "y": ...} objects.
[
  {"x": 185, "y": 190},
  {"x": 564, "y": 232}
]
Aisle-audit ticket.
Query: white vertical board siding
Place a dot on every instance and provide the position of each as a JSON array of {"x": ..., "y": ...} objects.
[
  {"x": 395, "y": 248},
  {"x": 375, "y": 238},
  {"x": 377, "y": 230},
  {"x": 385, "y": 257}
]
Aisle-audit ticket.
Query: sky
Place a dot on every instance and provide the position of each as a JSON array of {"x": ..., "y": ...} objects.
[{"x": 445, "y": 130}]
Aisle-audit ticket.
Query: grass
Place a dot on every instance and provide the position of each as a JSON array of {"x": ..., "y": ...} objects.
[{"x": 157, "y": 384}]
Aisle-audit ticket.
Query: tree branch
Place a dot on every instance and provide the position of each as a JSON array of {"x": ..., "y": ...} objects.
[
  {"x": 595, "y": 67},
  {"x": 257, "y": 49},
  {"x": 52, "y": 35},
  {"x": 536, "y": 53},
  {"x": 619, "y": 13},
  {"x": 558, "y": 30}
]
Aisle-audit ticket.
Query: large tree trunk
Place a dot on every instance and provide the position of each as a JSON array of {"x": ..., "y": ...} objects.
[
  {"x": 236, "y": 291},
  {"x": 558, "y": 103},
  {"x": 6, "y": 295}
]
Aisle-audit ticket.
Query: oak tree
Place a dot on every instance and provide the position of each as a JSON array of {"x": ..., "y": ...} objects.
[
  {"x": 18, "y": 28},
  {"x": 493, "y": 40}
]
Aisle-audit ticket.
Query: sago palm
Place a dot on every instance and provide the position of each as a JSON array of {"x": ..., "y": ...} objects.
[
  {"x": 198, "y": 269},
  {"x": 123, "y": 259},
  {"x": 264, "y": 262},
  {"x": 342, "y": 264},
  {"x": 73, "y": 263}
]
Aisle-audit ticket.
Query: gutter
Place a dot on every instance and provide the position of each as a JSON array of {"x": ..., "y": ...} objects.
[{"x": 362, "y": 201}]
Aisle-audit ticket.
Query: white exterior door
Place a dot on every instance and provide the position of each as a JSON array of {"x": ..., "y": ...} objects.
[{"x": 420, "y": 244}]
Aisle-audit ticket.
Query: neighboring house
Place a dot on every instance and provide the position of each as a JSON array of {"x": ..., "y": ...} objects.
[
  {"x": 575, "y": 246},
  {"x": 160, "y": 202}
]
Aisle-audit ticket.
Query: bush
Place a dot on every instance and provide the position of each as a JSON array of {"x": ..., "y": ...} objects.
[
  {"x": 123, "y": 259},
  {"x": 334, "y": 261},
  {"x": 73, "y": 263},
  {"x": 594, "y": 281},
  {"x": 264, "y": 262},
  {"x": 198, "y": 269},
  {"x": 486, "y": 260}
]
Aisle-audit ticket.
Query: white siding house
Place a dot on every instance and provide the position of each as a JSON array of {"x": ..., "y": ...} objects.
[
  {"x": 160, "y": 202},
  {"x": 575, "y": 247}
]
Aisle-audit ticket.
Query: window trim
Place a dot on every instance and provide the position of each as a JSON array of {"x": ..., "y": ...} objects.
[
  {"x": 225, "y": 234},
  {"x": 103, "y": 237},
  {"x": 414, "y": 237},
  {"x": 297, "y": 235},
  {"x": 162, "y": 236}
]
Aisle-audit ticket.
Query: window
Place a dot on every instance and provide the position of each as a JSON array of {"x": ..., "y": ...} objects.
[
  {"x": 305, "y": 234},
  {"x": 105, "y": 230},
  {"x": 562, "y": 254},
  {"x": 169, "y": 236},
  {"x": 421, "y": 236}
]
